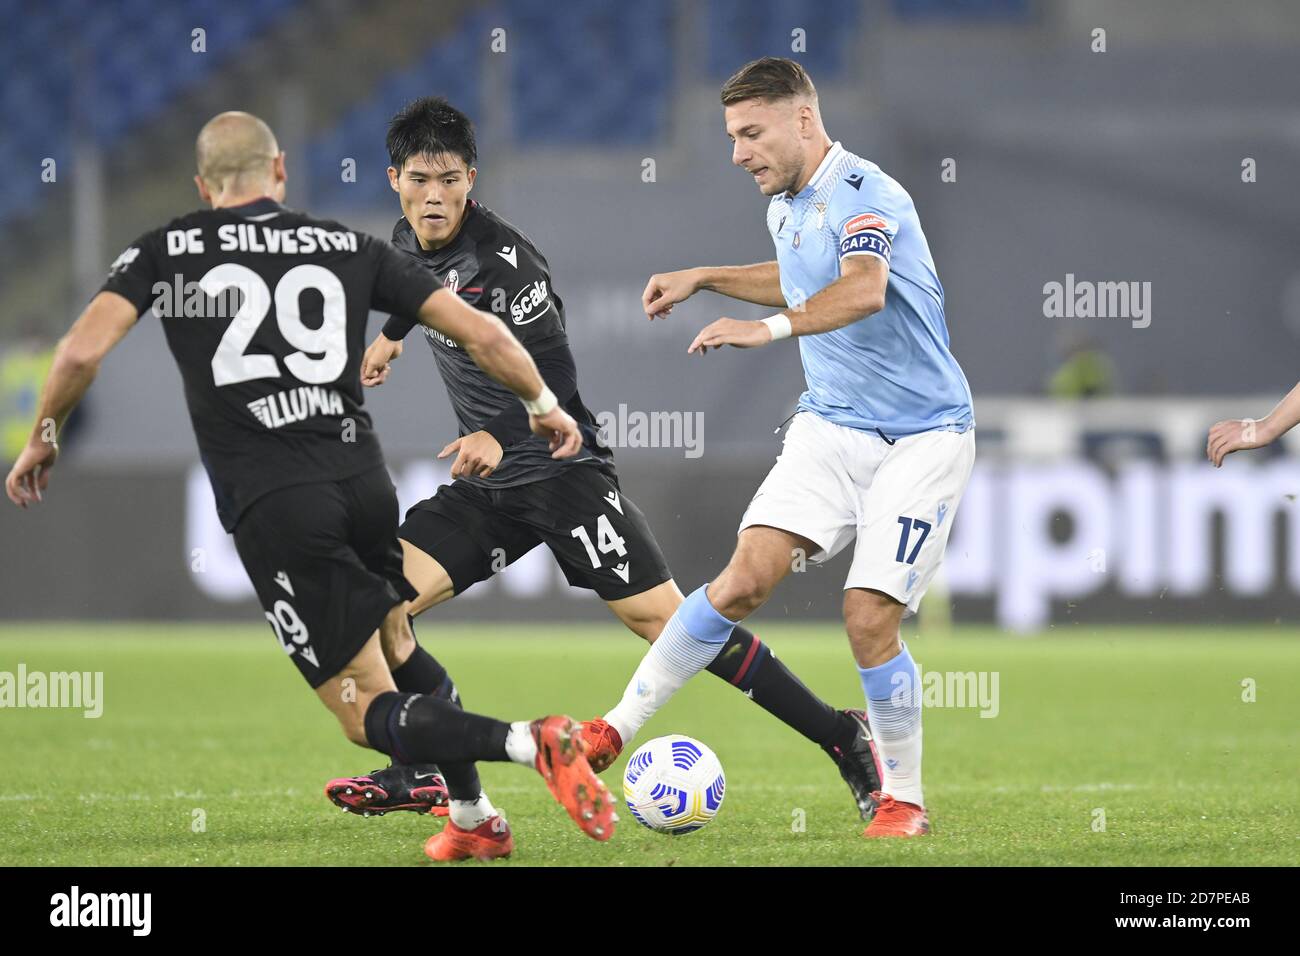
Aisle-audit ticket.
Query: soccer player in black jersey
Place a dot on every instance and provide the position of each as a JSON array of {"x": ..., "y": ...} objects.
[
  {"x": 508, "y": 495},
  {"x": 265, "y": 312}
]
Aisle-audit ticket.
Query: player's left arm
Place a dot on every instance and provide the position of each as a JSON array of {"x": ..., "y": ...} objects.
[
  {"x": 479, "y": 453},
  {"x": 859, "y": 292},
  {"x": 76, "y": 362}
]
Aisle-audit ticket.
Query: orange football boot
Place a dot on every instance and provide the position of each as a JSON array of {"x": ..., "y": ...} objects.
[
  {"x": 490, "y": 840},
  {"x": 895, "y": 819},
  {"x": 562, "y": 764},
  {"x": 603, "y": 744}
]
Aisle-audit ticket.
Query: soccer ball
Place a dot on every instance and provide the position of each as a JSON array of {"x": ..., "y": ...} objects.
[{"x": 674, "y": 784}]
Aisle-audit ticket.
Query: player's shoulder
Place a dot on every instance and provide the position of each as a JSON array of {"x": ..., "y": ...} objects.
[
  {"x": 859, "y": 182},
  {"x": 286, "y": 218},
  {"x": 493, "y": 234},
  {"x": 194, "y": 219},
  {"x": 404, "y": 236},
  {"x": 262, "y": 212}
]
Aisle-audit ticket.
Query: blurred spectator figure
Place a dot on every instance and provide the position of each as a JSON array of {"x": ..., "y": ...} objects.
[
  {"x": 24, "y": 363},
  {"x": 1086, "y": 372}
]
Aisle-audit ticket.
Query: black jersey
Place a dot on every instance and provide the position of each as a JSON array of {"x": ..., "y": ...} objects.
[
  {"x": 495, "y": 267},
  {"x": 265, "y": 312}
]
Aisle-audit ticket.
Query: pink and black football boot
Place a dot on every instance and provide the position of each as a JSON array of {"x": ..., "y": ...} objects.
[
  {"x": 418, "y": 788},
  {"x": 859, "y": 765}
]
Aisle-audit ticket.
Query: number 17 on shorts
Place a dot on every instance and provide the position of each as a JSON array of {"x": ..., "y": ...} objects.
[{"x": 907, "y": 514}]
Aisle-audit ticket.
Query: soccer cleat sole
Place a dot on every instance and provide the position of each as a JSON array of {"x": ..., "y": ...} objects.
[
  {"x": 572, "y": 782},
  {"x": 361, "y": 799}
]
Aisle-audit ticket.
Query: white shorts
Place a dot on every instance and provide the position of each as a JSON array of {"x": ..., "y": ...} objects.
[{"x": 833, "y": 484}]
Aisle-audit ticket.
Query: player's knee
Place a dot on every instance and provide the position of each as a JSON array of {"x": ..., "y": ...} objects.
[
  {"x": 648, "y": 613},
  {"x": 871, "y": 619},
  {"x": 739, "y": 591},
  {"x": 646, "y": 628}
]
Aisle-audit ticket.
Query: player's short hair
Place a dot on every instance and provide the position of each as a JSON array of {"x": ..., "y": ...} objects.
[
  {"x": 429, "y": 126},
  {"x": 768, "y": 78}
]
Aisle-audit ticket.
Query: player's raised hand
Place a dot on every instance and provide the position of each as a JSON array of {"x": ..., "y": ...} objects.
[
  {"x": 376, "y": 363},
  {"x": 477, "y": 454},
  {"x": 741, "y": 334},
  {"x": 558, "y": 426},
  {"x": 31, "y": 473},
  {"x": 666, "y": 289},
  {"x": 1235, "y": 435}
]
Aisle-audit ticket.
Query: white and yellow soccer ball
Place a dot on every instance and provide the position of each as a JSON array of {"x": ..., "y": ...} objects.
[{"x": 674, "y": 784}]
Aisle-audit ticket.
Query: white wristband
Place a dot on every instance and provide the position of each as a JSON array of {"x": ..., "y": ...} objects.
[
  {"x": 542, "y": 404},
  {"x": 778, "y": 325}
]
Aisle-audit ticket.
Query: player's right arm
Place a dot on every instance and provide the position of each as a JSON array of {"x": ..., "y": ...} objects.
[
  {"x": 1242, "y": 433},
  {"x": 759, "y": 283},
  {"x": 378, "y": 359},
  {"x": 76, "y": 362}
]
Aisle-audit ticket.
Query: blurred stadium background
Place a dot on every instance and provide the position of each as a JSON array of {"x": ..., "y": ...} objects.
[{"x": 1168, "y": 159}]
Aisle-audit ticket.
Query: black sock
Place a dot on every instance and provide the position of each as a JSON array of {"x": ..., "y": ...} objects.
[
  {"x": 462, "y": 780},
  {"x": 421, "y": 728},
  {"x": 748, "y": 663},
  {"x": 422, "y": 674}
]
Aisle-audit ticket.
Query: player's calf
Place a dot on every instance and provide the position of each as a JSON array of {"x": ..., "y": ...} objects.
[
  {"x": 891, "y": 685},
  {"x": 423, "y": 788},
  {"x": 349, "y": 694}
]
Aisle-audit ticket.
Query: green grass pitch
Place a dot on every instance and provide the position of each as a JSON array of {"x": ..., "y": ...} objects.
[{"x": 1146, "y": 727}]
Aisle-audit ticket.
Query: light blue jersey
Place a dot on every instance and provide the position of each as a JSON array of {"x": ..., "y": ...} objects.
[{"x": 891, "y": 371}]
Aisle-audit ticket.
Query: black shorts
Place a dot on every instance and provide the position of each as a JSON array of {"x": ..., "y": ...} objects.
[
  {"x": 599, "y": 537},
  {"x": 326, "y": 565}
]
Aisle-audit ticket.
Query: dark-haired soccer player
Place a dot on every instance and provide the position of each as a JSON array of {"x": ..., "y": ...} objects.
[
  {"x": 509, "y": 495},
  {"x": 267, "y": 324}
]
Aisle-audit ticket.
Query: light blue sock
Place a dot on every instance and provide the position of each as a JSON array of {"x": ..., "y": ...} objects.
[
  {"x": 893, "y": 692},
  {"x": 691, "y": 639},
  {"x": 693, "y": 636}
]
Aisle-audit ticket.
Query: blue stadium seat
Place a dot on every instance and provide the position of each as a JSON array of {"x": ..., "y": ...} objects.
[
  {"x": 450, "y": 68},
  {"x": 599, "y": 74},
  {"x": 743, "y": 30},
  {"x": 114, "y": 65},
  {"x": 962, "y": 9}
]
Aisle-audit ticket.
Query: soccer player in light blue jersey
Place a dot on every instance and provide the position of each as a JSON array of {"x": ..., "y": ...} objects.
[{"x": 882, "y": 445}]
